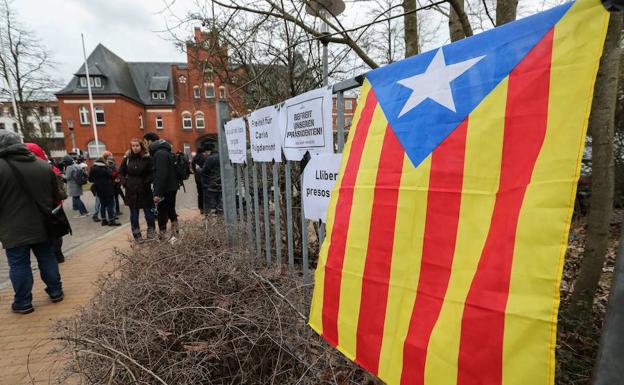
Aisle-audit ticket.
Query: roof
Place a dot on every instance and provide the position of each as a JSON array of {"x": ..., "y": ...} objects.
[{"x": 131, "y": 79}]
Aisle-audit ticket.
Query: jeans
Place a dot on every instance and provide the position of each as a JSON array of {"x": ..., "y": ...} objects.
[
  {"x": 134, "y": 221},
  {"x": 78, "y": 205},
  {"x": 21, "y": 273},
  {"x": 166, "y": 211},
  {"x": 97, "y": 207},
  {"x": 107, "y": 206}
]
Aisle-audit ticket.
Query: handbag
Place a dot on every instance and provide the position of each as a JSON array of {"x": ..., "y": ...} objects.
[{"x": 55, "y": 221}]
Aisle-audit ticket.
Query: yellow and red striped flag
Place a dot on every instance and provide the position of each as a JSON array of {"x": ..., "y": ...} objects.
[{"x": 448, "y": 226}]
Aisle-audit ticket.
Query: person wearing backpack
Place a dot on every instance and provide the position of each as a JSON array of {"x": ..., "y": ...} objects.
[
  {"x": 102, "y": 178},
  {"x": 28, "y": 188},
  {"x": 165, "y": 185},
  {"x": 182, "y": 168},
  {"x": 76, "y": 177}
]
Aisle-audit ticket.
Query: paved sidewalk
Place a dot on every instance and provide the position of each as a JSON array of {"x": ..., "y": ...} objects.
[{"x": 26, "y": 351}]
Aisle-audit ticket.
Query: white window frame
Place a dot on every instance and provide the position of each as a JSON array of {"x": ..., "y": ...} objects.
[
  {"x": 154, "y": 95},
  {"x": 187, "y": 121},
  {"x": 162, "y": 95},
  {"x": 160, "y": 124},
  {"x": 58, "y": 127},
  {"x": 83, "y": 112},
  {"x": 98, "y": 81},
  {"x": 83, "y": 82},
  {"x": 187, "y": 149},
  {"x": 348, "y": 104},
  {"x": 348, "y": 120},
  {"x": 91, "y": 149},
  {"x": 97, "y": 110},
  {"x": 196, "y": 93},
  {"x": 141, "y": 121},
  {"x": 209, "y": 86},
  {"x": 199, "y": 117},
  {"x": 222, "y": 92}
]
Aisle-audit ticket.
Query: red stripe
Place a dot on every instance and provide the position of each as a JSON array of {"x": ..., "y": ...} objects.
[
  {"x": 483, "y": 322},
  {"x": 443, "y": 203},
  {"x": 379, "y": 253},
  {"x": 335, "y": 254}
]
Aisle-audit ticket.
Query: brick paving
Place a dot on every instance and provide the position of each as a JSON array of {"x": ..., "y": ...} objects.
[{"x": 26, "y": 351}]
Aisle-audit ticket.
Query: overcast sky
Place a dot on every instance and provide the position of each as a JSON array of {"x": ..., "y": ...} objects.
[{"x": 130, "y": 28}]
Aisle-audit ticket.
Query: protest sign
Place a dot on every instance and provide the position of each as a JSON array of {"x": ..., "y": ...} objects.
[
  {"x": 264, "y": 135},
  {"x": 319, "y": 178},
  {"x": 236, "y": 137}
]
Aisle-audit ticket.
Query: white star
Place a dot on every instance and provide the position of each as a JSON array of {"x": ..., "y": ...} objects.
[{"x": 435, "y": 82}]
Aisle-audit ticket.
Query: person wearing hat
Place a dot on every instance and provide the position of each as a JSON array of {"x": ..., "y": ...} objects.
[
  {"x": 28, "y": 188},
  {"x": 75, "y": 177}
]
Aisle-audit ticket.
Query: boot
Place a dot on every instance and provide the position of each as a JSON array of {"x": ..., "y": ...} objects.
[
  {"x": 114, "y": 223},
  {"x": 137, "y": 235},
  {"x": 60, "y": 258},
  {"x": 175, "y": 228},
  {"x": 104, "y": 222},
  {"x": 151, "y": 233}
]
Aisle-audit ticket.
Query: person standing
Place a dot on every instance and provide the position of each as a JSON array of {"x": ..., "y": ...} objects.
[
  {"x": 22, "y": 224},
  {"x": 211, "y": 181},
  {"x": 36, "y": 150},
  {"x": 165, "y": 182},
  {"x": 76, "y": 178},
  {"x": 137, "y": 173},
  {"x": 102, "y": 178},
  {"x": 196, "y": 166}
]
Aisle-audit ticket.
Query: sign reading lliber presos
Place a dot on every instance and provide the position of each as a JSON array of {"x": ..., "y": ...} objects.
[
  {"x": 236, "y": 138},
  {"x": 319, "y": 178},
  {"x": 306, "y": 124},
  {"x": 264, "y": 135}
]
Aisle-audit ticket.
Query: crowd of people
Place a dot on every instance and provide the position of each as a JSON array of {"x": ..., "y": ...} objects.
[{"x": 147, "y": 179}]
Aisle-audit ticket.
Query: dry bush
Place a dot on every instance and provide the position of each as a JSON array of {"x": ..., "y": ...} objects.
[{"x": 199, "y": 313}]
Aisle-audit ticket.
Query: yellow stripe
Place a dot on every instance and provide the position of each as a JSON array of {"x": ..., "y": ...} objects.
[
  {"x": 405, "y": 269},
  {"x": 357, "y": 236},
  {"x": 530, "y": 324},
  {"x": 484, "y": 144},
  {"x": 316, "y": 308}
]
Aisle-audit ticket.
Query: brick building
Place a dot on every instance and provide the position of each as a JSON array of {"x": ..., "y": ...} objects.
[{"x": 175, "y": 100}]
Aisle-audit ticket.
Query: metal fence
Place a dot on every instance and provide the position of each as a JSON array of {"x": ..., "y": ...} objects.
[{"x": 263, "y": 203}]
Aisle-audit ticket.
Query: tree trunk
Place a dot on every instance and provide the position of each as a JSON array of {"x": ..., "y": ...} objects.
[
  {"x": 456, "y": 30},
  {"x": 601, "y": 122},
  {"x": 411, "y": 28},
  {"x": 505, "y": 11}
]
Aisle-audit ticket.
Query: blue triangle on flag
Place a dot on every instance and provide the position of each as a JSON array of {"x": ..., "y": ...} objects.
[{"x": 476, "y": 65}]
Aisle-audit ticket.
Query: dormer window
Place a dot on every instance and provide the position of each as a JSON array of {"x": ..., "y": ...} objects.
[
  {"x": 159, "y": 95},
  {"x": 93, "y": 81}
]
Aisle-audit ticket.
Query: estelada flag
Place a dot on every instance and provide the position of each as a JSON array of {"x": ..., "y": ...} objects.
[{"x": 448, "y": 226}]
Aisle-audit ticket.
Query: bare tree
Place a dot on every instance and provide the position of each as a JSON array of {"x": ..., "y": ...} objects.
[
  {"x": 24, "y": 66},
  {"x": 410, "y": 20},
  {"x": 506, "y": 11}
]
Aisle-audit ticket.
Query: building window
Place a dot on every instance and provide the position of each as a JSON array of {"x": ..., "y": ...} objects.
[
  {"x": 348, "y": 121},
  {"x": 55, "y": 111},
  {"x": 2, "y": 111},
  {"x": 187, "y": 149},
  {"x": 58, "y": 127},
  {"x": 2, "y": 126},
  {"x": 95, "y": 151},
  {"x": 15, "y": 127},
  {"x": 84, "y": 115},
  {"x": 199, "y": 121},
  {"x": 45, "y": 127},
  {"x": 11, "y": 112},
  {"x": 141, "y": 121},
  {"x": 187, "y": 121},
  {"x": 98, "y": 82},
  {"x": 99, "y": 115},
  {"x": 221, "y": 92},
  {"x": 159, "y": 122},
  {"x": 41, "y": 110},
  {"x": 154, "y": 95},
  {"x": 209, "y": 90},
  {"x": 348, "y": 104},
  {"x": 83, "y": 82},
  {"x": 196, "y": 92}
]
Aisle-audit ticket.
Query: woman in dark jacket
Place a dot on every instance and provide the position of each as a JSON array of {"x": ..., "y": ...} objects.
[
  {"x": 137, "y": 174},
  {"x": 102, "y": 178}
]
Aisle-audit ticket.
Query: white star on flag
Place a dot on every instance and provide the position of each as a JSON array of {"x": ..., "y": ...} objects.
[{"x": 435, "y": 82}]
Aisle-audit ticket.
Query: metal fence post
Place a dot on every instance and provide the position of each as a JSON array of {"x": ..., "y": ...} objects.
[
  {"x": 227, "y": 174},
  {"x": 289, "y": 217},
  {"x": 340, "y": 119},
  {"x": 256, "y": 209},
  {"x": 265, "y": 201},
  {"x": 304, "y": 241},
  {"x": 250, "y": 235},
  {"x": 276, "y": 206}
]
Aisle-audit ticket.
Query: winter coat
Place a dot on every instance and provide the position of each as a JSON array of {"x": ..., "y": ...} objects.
[
  {"x": 198, "y": 162},
  {"x": 73, "y": 188},
  {"x": 165, "y": 180},
  {"x": 137, "y": 174},
  {"x": 21, "y": 221},
  {"x": 102, "y": 178},
  {"x": 39, "y": 153},
  {"x": 211, "y": 173}
]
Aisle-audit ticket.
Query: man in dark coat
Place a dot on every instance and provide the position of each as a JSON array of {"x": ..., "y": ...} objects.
[
  {"x": 102, "y": 178},
  {"x": 22, "y": 227},
  {"x": 196, "y": 166},
  {"x": 165, "y": 182},
  {"x": 211, "y": 181}
]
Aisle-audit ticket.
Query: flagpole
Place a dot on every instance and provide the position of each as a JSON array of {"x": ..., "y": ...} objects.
[{"x": 95, "y": 133}]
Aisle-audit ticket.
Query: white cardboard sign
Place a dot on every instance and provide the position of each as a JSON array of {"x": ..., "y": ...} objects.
[
  {"x": 319, "y": 178},
  {"x": 264, "y": 135},
  {"x": 306, "y": 124},
  {"x": 236, "y": 137}
]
